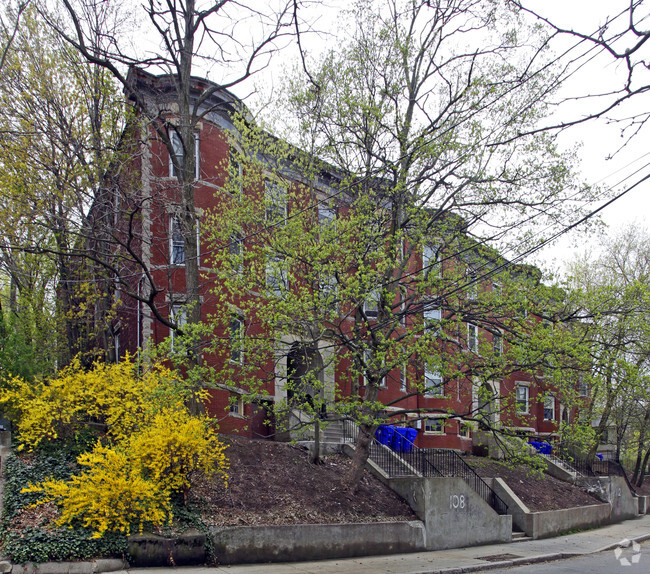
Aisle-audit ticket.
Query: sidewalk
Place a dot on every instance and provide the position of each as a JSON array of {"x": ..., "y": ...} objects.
[{"x": 457, "y": 560}]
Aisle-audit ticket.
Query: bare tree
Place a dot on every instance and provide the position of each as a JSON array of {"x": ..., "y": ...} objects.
[{"x": 229, "y": 39}]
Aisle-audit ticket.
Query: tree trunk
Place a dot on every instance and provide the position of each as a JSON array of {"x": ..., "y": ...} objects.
[
  {"x": 638, "y": 468},
  {"x": 361, "y": 454},
  {"x": 644, "y": 467},
  {"x": 315, "y": 455}
]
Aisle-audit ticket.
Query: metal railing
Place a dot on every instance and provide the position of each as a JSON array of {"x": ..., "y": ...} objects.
[
  {"x": 411, "y": 460},
  {"x": 450, "y": 463},
  {"x": 595, "y": 467}
]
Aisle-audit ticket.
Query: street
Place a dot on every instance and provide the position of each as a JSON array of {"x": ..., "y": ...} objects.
[{"x": 632, "y": 560}]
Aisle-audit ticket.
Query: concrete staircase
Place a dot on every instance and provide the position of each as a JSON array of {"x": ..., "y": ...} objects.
[
  {"x": 560, "y": 469},
  {"x": 332, "y": 432}
]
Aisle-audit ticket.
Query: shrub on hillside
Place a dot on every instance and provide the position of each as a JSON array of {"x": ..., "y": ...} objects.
[
  {"x": 150, "y": 451},
  {"x": 59, "y": 408}
]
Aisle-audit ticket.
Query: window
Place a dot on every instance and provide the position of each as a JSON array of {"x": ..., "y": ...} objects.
[
  {"x": 434, "y": 426},
  {"x": 465, "y": 430},
  {"x": 235, "y": 247},
  {"x": 235, "y": 173},
  {"x": 521, "y": 398},
  {"x": 472, "y": 337},
  {"x": 177, "y": 241},
  {"x": 277, "y": 280},
  {"x": 369, "y": 361},
  {"x": 116, "y": 343},
  {"x": 177, "y": 146},
  {"x": 275, "y": 197},
  {"x": 549, "y": 408},
  {"x": 497, "y": 344},
  {"x": 236, "y": 405},
  {"x": 583, "y": 387},
  {"x": 326, "y": 216},
  {"x": 179, "y": 317},
  {"x": 431, "y": 261},
  {"x": 329, "y": 291},
  {"x": 434, "y": 385},
  {"x": 237, "y": 339},
  {"x": 472, "y": 285},
  {"x": 432, "y": 318},
  {"x": 402, "y": 379},
  {"x": 371, "y": 305}
]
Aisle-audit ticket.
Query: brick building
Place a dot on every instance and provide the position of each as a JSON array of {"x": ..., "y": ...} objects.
[{"x": 464, "y": 327}]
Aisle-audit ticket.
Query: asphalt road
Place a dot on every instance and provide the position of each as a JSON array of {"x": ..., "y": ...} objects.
[{"x": 632, "y": 560}]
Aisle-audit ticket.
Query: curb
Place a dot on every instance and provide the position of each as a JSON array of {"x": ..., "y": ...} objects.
[
  {"x": 614, "y": 546},
  {"x": 502, "y": 564},
  {"x": 98, "y": 566}
]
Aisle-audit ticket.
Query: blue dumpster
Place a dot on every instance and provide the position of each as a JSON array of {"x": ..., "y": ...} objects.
[
  {"x": 399, "y": 436},
  {"x": 384, "y": 434}
]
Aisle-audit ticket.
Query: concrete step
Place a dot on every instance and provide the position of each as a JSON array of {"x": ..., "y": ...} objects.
[{"x": 518, "y": 536}]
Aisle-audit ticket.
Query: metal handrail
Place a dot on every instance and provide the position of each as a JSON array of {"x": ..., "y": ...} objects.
[{"x": 415, "y": 461}]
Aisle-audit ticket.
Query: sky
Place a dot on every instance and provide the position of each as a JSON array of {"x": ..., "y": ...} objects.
[
  {"x": 598, "y": 142},
  {"x": 601, "y": 161}
]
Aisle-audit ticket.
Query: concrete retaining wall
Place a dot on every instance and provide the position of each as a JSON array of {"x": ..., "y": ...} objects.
[
  {"x": 453, "y": 514},
  {"x": 150, "y": 550},
  {"x": 554, "y": 522},
  {"x": 246, "y": 544}
]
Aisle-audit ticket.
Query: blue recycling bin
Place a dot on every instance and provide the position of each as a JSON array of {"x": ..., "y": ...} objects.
[
  {"x": 400, "y": 442},
  {"x": 411, "y": 435},
  {"x": 599, "y": 456},
  {"x": 384, "y": 434}
]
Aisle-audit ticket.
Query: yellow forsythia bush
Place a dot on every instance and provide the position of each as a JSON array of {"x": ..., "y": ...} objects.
[
  {"x": 108, "y": 393},
  {"x": 156, "y": 445},
  {"x": 174, "y": 446},
  {"x": 110, "y": 495}
]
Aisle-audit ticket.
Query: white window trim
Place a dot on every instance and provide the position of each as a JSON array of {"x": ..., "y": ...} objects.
[
  {"x": 471, "y": 278},
  {"x": 270, "y": 201},
  {"x": 178, "y": 316},
  {"x": 236, "y": 407},
  {"x": 330, "y": 216},
  {"x": 583, "y": 388},
  {"x": 236, "y": 251},
  {"x": 432, "y": 319},
  {"x": 233, "y": 155},
  {"x": 367, "y": 356},
  {"x": 371, "y": 305},
  {"x": 472, "y": 342},
  {"x": 176, "y": 139},
  {"x": 523, "y": 385},
  {"x": 239, "y": 360},
  {"x": 497, "y": 344},
  {"x": 431, "y": 261},
  {"x": 464, "y": 426},
  {"x": 277, "y": 278},
  {"x": 549, "y": 398},
  {"x": 440, "y": 420},
  {"x": 437, "y": 390},
  {"x": 173, "y": 222}
]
